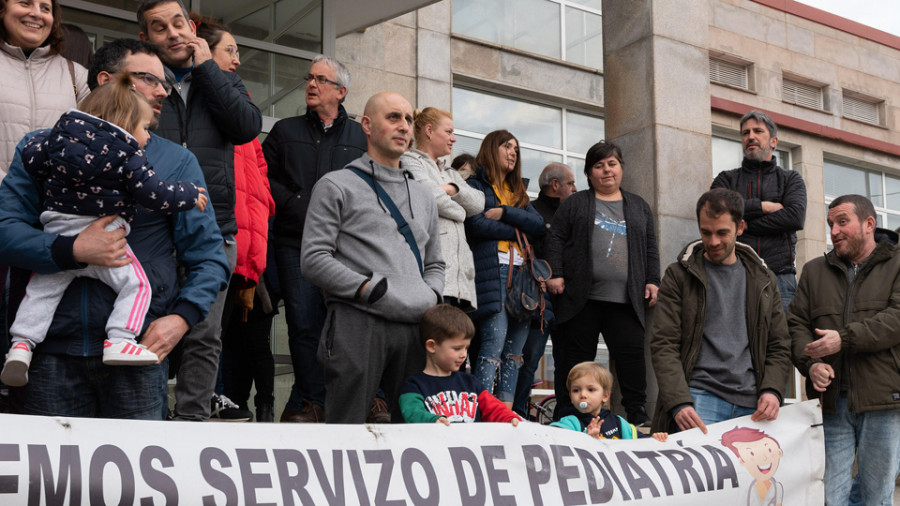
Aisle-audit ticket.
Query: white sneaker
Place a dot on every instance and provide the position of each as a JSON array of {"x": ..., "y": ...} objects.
[
  {"x": 127, "y": 353},
  {"x": 15, "y": 370}
]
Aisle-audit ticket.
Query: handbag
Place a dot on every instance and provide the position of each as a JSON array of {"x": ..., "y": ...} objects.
[{"x": 525, "y": 292}]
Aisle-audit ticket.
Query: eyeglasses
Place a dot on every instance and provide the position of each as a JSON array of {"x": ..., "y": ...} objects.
[
  {"x": 321, "y": 80},
  {"x": 233, "y": 51},
  {"x": 152, "y": 81}
]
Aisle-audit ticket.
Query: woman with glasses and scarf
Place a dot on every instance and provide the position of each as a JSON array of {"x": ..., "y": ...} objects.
[{"x": 246, "y": 354}]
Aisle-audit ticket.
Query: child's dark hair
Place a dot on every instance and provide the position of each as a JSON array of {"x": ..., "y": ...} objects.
[
  {"x": 444, "y": 321},
  {"x": 599, "y": 373},
  {"x": 118, "y": 103}
]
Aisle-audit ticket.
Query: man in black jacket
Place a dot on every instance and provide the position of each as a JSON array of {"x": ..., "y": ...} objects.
[
  {"x": 208, "y": 111},
  {"x": 774, "y": 201},
  {"x": 557, "y": 182},
  {"x": 299, "y": 151}
]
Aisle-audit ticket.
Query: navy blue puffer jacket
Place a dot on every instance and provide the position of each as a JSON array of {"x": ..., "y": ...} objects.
[{"x": 482, "y": 233}]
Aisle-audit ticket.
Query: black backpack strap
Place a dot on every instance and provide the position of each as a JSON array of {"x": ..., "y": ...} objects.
[{"x": 402, "y": 225}]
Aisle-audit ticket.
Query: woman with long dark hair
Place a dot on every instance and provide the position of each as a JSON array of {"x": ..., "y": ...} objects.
[{"x": 492, "y": 237}]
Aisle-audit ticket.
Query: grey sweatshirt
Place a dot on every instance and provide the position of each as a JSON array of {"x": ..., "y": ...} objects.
[{"x": 350, "y": 237}]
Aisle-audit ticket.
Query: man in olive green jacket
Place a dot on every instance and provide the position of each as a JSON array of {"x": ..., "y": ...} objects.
[
  {"x": 845, "y": 327},
  {"x": 719, "y": 340}
]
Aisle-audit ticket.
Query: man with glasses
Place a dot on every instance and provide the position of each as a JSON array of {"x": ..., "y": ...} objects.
[
  {"x": 209, "y": 112},
  {"x": 67, "y": 376},
  {"x": 299, "y": 151}
]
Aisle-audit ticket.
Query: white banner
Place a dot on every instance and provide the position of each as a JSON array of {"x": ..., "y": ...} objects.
[{"x": 83, "y": 461}]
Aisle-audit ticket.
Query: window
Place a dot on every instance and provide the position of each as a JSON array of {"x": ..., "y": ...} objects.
[
  {"x": 546, "y": 133},
  {"x": 863, "y": 108},
  {"x": 730, "y": 71},
  {"x": 881, "y": 188},
  {"x": 728, "y": 154},
  {"x": 569, "y": 30},
  {"x": 804, "y": 92}
]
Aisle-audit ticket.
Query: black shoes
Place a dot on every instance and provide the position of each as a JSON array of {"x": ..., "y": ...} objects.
[{"x": 638, "y": 417}]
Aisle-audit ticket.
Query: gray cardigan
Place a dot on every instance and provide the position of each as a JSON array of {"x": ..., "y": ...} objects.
[{"x": 568, "y": 250}]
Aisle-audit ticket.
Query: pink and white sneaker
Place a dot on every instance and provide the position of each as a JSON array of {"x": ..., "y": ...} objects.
[
  {"x": 15, "y": 370},
  {"x": 127, "y": 353}
]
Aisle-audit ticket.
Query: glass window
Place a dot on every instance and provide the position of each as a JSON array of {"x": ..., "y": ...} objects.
[
  {"x": 292, "y": 23},
  {"x": 842, "y": 179},
  {"x": 538, "y": 127},
  {"x": 584, "y": 38},
  {"x": 536, "y": 26}
]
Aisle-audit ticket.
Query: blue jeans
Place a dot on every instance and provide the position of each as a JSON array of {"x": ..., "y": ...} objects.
[
  {"x": 532, "y": 352},
  {"x": 63, "y": 385},
  {"x": 304, "y": 311},
  {"x": 874, "y": 437},
  {"x": 502, "y": 339},
  {"x": 713, "y": 409},
  {"x": 787, "y": 286}
]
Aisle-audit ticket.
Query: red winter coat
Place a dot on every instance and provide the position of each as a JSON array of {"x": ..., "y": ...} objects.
[{"x": 252, "y": 209}]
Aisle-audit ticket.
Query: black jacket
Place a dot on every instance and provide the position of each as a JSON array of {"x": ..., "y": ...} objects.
[
  {"x": 773, "y": 236},
  {"x": 546, "y": 207},
  {"x": 299, "y": 151},
  {"x": 218, "y": 115},
  {"x": 569, "y": 251}
]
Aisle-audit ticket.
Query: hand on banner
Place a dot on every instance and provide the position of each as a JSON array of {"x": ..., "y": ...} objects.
[
  {"x": 821, "y": 375},
  {"x": 766, "y": 408},
  {"x": 687, "y": 419},
  {"x": 443, "y": 420},
  {"x": 828, "y": 343},
  {"x": 515, "y": 422},
  {"x": 660, "y": 436},
  {"x": 593, "y": 428}
]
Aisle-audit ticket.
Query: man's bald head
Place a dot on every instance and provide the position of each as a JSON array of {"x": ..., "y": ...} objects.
[{"x": 387, "y": 121}]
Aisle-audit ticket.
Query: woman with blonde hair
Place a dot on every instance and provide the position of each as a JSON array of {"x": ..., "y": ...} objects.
[
  {"x": 456, "y": 201},
  {"x": 492, "y": 237}
]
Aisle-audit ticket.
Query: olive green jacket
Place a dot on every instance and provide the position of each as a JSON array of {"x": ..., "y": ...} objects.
[
  {"x": 866, "y": 313},
  {"x": 677, "y": 330}
]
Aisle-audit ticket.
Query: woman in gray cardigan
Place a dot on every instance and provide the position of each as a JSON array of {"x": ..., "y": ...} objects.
[{"x": 605, "y": 260}]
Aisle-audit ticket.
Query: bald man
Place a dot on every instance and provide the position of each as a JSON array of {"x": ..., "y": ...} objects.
[{"x": 377, "y": 281}]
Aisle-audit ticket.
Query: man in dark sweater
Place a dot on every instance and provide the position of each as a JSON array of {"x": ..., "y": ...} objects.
[
  {"x": 299, "y": 151},
  {"x": 208, "y": 111},
  {"x": 557, "y": 182},
  {"x": 719, "y": 341},
  {"x": 774, "y": 201}
]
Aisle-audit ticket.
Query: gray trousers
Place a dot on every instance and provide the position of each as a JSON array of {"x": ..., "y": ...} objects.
[
  {"x": 200, "y": 358},
  {"x": 360, "y": 353},
  {"x": 45, "y": 291}
]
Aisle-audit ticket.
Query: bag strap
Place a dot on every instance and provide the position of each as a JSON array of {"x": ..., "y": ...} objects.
[
  {"x": 72, "y": 75},
  {"x": 402, "y": 225}
]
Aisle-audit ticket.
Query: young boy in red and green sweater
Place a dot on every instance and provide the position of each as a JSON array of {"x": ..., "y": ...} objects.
[{"x": 441, "y": 393}]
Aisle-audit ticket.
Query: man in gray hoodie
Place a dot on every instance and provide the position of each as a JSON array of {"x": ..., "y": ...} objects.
[{"x": 377, "y": 283}]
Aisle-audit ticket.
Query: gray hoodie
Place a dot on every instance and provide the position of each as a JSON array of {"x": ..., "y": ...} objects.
[{"x": 350, "y": 237}]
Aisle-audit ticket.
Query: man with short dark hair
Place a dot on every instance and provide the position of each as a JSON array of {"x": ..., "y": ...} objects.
[
  {"x": 557, "y": 182},
  {"x": 774, "y": 200},
  {"x": 69, "y": 360},
  {"x": 372, "y": 243},
  {"x": 299, "y": 151},
  {"x": 845, "y": 325},
  {"x": 209, "y": 112},
  {"x": 719, "y": 341}
]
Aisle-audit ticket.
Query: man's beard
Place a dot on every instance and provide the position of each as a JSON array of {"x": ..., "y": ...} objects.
[{"x": 758, "y": 155}]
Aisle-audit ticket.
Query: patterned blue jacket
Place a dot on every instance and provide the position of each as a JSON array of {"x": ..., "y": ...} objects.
[{"x": 89, "y": 167}]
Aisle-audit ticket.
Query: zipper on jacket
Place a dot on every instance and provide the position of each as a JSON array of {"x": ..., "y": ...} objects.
[
  {"x": 85, "y": 342},
  {"x": 30, "y": 81},
  {"x": 846, "y": 317}
]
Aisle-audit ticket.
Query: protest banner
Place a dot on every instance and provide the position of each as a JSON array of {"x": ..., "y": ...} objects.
[{"x": 73, "y": 461}]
